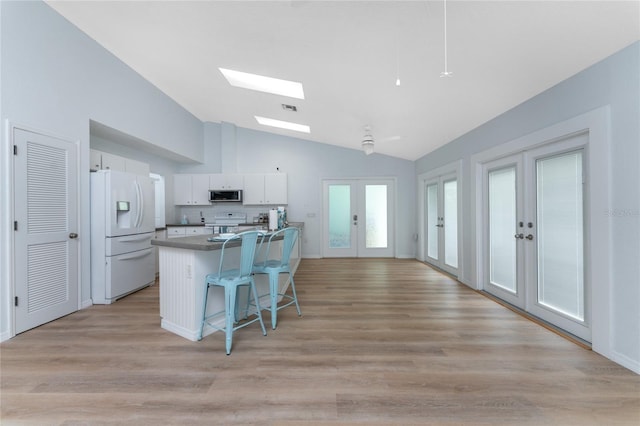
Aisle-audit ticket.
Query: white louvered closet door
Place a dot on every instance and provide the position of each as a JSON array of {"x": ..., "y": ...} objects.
[{"x": 46, "y": 240}]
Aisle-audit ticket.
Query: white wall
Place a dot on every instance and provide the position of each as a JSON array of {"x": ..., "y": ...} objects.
[
  {"x": 613, "y": 82},
  {"x": 56, "y": 79},
  {"x": 307, "y": 163}
]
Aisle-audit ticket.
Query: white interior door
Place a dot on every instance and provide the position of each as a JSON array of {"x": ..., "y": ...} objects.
[
  {"x": 534, "y": 233},
  {"x": 359, "y": 218},
  {"x": 46, "y": 229},
  {"x": 441, "y": 222}
]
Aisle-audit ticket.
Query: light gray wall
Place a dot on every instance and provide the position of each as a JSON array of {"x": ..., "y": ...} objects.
[
  {"x": 56, "y": 79},
  {"x": 306, "y": 164},
  {"x": 614, "y": 81}
]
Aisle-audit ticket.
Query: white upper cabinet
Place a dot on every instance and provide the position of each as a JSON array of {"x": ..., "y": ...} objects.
[
  {"x": 253, "y": 189},
  {"x": 113, "y": 162},
  {"x": 191, "y": 190},
  {"x": 268, "y": 188},
  {"x": 226, "y": 181},
  {"x": 95, "y": 158},
  {"x": 105, "y": 161}
]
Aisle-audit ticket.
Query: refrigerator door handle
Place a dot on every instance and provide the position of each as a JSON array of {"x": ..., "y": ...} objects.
[
  {"x": 135, "y": 238},
  {"x": 135, "y": 255},
  {"x": 139, "y": 210}
]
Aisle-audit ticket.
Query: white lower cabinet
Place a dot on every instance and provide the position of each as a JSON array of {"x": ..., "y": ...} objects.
[{"x": 185, "y": 231}]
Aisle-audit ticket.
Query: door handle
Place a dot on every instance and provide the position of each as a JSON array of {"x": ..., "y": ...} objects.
[
  {"x": 529, "y": 237},
  {"x": 73, "y": 235},
  {"x": 519, "y": 236}
]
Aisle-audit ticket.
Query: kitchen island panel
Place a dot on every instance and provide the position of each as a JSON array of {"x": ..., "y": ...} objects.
[{"x": 183, "y": 268}]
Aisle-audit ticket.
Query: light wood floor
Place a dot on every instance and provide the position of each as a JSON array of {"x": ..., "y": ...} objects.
[{"x": 379, "y": 342}]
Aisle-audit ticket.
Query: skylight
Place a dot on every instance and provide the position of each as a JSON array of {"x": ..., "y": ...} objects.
[
  {"x": 292, "y": 89},
  {"x": 283, "y": 124}
]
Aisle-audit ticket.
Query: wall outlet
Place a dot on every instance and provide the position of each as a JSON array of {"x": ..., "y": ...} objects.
[{"x": 188, "y": 271}]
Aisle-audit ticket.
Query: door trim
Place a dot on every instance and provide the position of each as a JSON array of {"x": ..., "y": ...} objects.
[
  {"x": 7, "y": 239},
  {"x": 597, "y": 124}
]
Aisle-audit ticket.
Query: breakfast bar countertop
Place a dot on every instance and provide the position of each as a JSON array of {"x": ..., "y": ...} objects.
[{"x": 199, "y": 242}]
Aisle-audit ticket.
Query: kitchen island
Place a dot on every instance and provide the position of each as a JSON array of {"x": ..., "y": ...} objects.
[{"x": 184, "y": 263}]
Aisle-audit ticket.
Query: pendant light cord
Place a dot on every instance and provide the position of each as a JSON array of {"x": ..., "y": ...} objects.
[{"x": 446, "y": 72}]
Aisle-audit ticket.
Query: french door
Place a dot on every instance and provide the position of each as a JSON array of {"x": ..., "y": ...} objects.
[
  {"x": 534, "y": 233},
  {"x": 441, "y": 225},
  {"x": 358, "y": 218}
]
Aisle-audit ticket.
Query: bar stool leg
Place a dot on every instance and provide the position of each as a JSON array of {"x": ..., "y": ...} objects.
[
  {"x": 273, "y": 289},
  {"x": 230, "y": 314},
  {"x": 295, "y": 296}
]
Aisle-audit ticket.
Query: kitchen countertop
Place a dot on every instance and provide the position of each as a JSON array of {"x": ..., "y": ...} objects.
[
  {"x": 199, "y": 242},
  {"x": 194, "y": 242},
  {"x": 296, "y": 224}
]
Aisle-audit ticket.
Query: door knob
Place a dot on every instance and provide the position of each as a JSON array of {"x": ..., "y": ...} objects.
[
  {"x": 73, "y": 235},
  {"x": 529, "y": 237},
  {"x": 519, "y": 236}
]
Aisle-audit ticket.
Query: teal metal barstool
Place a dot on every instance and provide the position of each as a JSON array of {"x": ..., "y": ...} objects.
[
  {"x": 230, "y": 280},
  {"x": 275, "y": 267}
]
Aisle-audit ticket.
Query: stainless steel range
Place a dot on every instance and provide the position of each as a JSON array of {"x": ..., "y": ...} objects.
[{"x": 226, "y": 222}]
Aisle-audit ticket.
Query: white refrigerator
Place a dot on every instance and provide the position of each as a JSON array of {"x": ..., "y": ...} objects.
[{"x": 122, "y": 226}]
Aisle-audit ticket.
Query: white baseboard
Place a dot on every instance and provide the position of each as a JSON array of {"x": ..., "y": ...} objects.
[
  {"x": 625, "y": 361},
  {"x": 181, "y": 331},
  {"x": 405, "y": 256},
  {"x": 5, "y": 336},
  {"x": 86, "y": 304}
]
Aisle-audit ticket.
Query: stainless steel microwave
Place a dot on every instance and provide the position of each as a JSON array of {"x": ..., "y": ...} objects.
[{"x": 222, "y": 196}]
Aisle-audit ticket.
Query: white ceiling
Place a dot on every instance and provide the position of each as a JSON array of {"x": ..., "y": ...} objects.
[{"x": 348, "y": 55}]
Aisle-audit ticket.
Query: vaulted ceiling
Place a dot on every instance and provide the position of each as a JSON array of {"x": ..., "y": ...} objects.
[{"x": 349, "y": 54}]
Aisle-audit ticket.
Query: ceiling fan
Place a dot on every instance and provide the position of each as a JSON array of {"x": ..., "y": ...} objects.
[{"x": 368, "y": 142}]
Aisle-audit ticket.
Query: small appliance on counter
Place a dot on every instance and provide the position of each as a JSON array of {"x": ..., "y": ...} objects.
[
  {"x": 277, "y": 219},
  {"x": 261, "y": 218}
]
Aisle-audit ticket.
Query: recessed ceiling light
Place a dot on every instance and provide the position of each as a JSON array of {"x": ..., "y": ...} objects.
[
  {"x": 292, "y": 89},
  {"x": 283, "y": 124}
]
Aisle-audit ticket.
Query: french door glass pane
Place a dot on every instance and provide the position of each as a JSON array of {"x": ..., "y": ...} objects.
[
  {"x": 432, "y": 221},
  {"x": 339, "y": 216},
  {"x": 502, "y": 220},
  {"x": 376, "y": 216},
  {"x": 560, "y": 234},
  {"x": 451, "y": 223}
]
